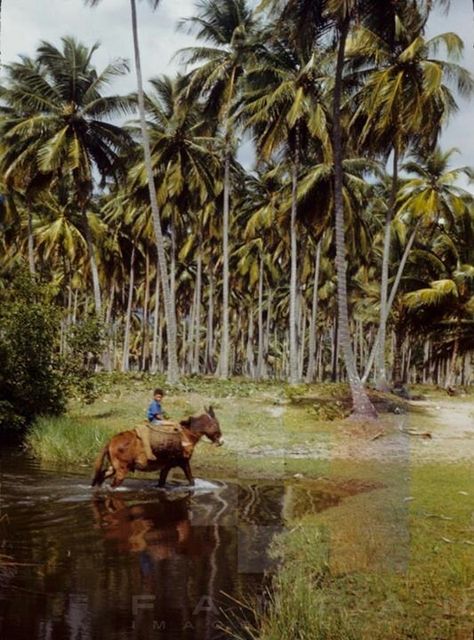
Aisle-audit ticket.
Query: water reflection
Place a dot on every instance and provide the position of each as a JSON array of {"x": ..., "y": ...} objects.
[{"x": 134, "y": 564}]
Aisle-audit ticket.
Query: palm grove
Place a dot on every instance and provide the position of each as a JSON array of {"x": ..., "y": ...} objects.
[{"x": 346, "y": 253}]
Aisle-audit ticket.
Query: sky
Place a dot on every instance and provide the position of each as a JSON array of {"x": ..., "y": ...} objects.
[{"x": 26, "y": 22}]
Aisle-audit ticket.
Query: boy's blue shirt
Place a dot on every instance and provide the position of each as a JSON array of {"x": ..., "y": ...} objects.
[{"x": 153, "y": 409}]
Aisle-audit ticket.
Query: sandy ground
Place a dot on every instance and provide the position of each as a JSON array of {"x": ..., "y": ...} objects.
[{"x": 434, "y": 429}]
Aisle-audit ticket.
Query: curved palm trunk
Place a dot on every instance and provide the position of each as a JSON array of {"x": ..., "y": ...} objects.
[
  {"x": 362, "y": 407},
  {"x": 293, "y": 273},
  {"x": 381, "y": 374},
  {"x": 170, "y": 311},
  {"x": 224, "y": 355},
  {"x": 393, "y": 293}
]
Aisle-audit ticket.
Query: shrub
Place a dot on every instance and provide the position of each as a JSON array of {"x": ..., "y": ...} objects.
[{"x": 30, "y": 376}]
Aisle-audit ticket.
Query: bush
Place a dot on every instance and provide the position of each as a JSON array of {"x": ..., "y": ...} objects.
[
  {"x": 86, "y": 342},
  {"x": 30, "y": 376}
]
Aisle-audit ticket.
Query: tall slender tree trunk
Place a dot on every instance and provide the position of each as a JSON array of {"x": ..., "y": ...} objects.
[
  {"x": 260, "y": 359},
  {"x": 128, "y": 317},
  {"x": 31, "y": 245},
  {"x": 107, "y": 358},
  {"x": 210, "y": 325},
  {"x": 362, "y": 407},
  {"x": 93, "y": 265},
  {"x": 145, "y": 325},
  {"x": 312, "y": 326},
  {"x": 381, "y": 373},
  {"x": 393, "y": 293},
  {"x": 156, "y": 313},
  {"x": 224, "y": 355},
  {"x": 197, "y": 344},
  {"x": 293, "y": 377},
  {"x": 170, "y": 311},
  {"x": 451, "y": 374}
]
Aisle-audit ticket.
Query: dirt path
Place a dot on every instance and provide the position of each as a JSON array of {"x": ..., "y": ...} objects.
[{"x": 434, "y": 429}]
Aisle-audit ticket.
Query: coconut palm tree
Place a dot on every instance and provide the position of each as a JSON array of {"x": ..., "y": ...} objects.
[
  {"x": 229, "y": 26},
  {"x": 283, "y": 103},
  {"x": 170, "y": 312},
  {"x": 405, "y": 99},
  {"x": 430, "y": 195},
  {"x": 56, "y": 123}
]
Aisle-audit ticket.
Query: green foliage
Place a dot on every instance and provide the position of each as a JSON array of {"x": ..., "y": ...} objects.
[
  {"x": 30, "y": 378},
  {"x": 65, "y": 441},
  {"x": 85, "y": 345}
]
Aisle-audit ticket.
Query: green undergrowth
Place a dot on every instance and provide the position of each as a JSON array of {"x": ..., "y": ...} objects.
[
  {"x": 258, "y": 422},
  {"x": 67, "y": 440},
  {"x": 395, "y": 563}
]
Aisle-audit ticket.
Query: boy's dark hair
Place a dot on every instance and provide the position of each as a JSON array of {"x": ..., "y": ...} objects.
[{"x": 158, "y": 391}]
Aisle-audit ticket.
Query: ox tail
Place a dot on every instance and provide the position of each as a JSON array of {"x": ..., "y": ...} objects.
[{"x": 99, "y": 472}]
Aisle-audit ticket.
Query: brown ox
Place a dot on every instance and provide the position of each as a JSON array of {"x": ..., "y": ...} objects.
[{"x": 125, "y": 451}]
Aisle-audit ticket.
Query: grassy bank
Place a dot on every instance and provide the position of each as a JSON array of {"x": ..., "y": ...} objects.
[
  {"x": 393, "y": 564},
  {"x": 268, "y": 427}
]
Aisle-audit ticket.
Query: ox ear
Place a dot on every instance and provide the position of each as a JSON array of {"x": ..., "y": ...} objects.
[
  {"x": 186, "y": 422},
  {"x": 211, "y": 411}
]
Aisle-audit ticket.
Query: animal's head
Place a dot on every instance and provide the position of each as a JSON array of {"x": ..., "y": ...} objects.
[{"x": 212, "y": 428}]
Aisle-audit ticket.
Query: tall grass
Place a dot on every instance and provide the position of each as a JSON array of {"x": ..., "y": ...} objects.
[{"x": 67, "y": 441}]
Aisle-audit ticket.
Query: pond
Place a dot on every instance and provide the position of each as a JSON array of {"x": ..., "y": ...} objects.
[{"x": 137, "y": 562}]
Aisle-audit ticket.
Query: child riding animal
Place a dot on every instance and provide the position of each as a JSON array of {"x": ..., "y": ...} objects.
[{"x": 156, "y": 424}]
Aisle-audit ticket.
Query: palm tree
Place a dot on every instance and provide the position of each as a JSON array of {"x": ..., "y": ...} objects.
[
  {"x": 56, "y": 123},
  {"x": 228, "y": 25},
  {"x": 170, "y": 312},
  {"x": 283, "y": 104},
  {"x": 405, "y": 99}
]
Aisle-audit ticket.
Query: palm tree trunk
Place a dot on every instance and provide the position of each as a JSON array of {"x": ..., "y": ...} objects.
[
  {"x": 224, "y": 355},
  {"x": 210, "y": 325},
  {"x": 170, "y": 311},
  {"x": 145, "y": 343},
  {"x": 93, "y": 265},
  {"x": 189, "y": 356},
  {"x": 312, "y": 325},
  {"x": 107, "y": 358},
  {"x": 381, "y": 374},
  {"x": 31, "y": 245},
  {"x": 126, "y": 338},
  {"x": 156, "y": 313},
  {"x": 197, "y": 344},
  {"x": 393, "y": 293},
  {"x": 260, "y": 359},
  {"x": 451, "y": 375},
  {"x": 293, "y": 377},
  {"x": 362, "y": 407}
]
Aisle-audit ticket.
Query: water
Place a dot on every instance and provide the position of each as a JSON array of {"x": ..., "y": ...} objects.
[{"x": 135, "y": 563}]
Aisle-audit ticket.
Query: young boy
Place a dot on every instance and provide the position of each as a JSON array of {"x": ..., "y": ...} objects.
[
  {"x": 155, "y": 411},
  {"x": 155, "y": 415}
]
